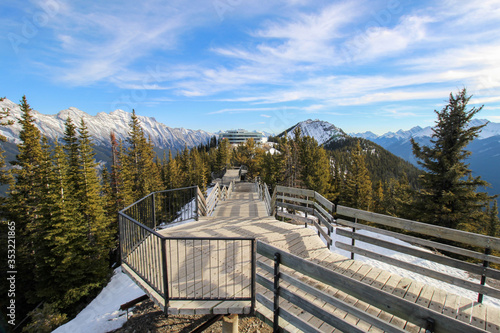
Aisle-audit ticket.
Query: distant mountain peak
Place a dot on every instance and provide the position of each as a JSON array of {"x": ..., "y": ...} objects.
[{"x": 321, "y": 131}]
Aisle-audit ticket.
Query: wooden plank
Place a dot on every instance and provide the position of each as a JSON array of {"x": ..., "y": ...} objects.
[
  {"x": 455, "y": 263},
  {"x": 324, "y": 221},
  {"x": 323, "y": 201},
  {"x": 423, "y": 228},
  {"x": 438, "y": 300},
  {"x": 387, "y": 302},
  {"x": 465, "y": 311},
  {"x": 486, "y": 290},
  {"x": 451, "y": 305},
  {"x": 423, "y": 242},
  {"x": 303, "y": 201},
  {"x": 266, "y": 311},
  {"x": 493, "y": 319},
  {"x": 294, "y": 217},
  {"x": 295, "y": 191},
  {"x": 338, "y": 303},
  {"x": 478, "y": 318},
  {"x": 323, "y": 233},
  {"x": 425, "y": 297}
]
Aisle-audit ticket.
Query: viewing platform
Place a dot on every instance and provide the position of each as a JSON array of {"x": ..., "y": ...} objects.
[{"x": 216, "y": 260}]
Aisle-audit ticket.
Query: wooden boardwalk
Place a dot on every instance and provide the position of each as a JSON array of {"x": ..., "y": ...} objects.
[{"x": 244, "y": 215}]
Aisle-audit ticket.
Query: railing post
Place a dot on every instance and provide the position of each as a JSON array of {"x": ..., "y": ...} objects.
[
  {"x": 486, "y": 263},
  {"x": 353, "y": 241},
  {"x": 153, "y": 209},
  {"x": 254, "y": 271},
  {"x": 276, "y": 308},
  {"x": 165, "y": 274},
  {"x": 197, "y": 214},
  {"x": 307, "y": 206}
]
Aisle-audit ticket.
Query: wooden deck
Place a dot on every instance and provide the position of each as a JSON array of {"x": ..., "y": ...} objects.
[{"x": 244, "y": 215}]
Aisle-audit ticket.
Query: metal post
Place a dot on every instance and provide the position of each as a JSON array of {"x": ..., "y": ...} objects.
[
  {"x": 353, "y": 241},
  {"x": 486, "y": 263},
  {"x": 153, "y": 206},
  {"x": 197, "y": 217},
  {"x": 276, "y": 307},
  {"x": 254, "y": 270},
  {"x": 165, "y": 274}
]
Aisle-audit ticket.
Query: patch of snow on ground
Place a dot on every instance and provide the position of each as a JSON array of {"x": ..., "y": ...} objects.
[{"x": 103, "y": 314}]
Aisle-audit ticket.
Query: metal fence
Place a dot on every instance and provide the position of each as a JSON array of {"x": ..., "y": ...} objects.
[
  {"x": 180, "y": 268},
  {"x": 164, "y": 207}
]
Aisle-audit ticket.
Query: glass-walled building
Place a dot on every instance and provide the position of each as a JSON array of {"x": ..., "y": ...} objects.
[{"x": 240, "y": 136}]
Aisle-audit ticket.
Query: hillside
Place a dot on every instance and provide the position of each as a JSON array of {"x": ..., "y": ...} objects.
[{"x": 381, "y": 163}]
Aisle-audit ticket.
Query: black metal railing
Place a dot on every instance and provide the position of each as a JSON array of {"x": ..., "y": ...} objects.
[
  {"x": 203, "y": 268},
  {"x": 184, "y": 268},
  {"x": 164, "y": 207}
]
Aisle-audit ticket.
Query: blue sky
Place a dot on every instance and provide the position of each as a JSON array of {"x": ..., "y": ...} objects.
[{"x": 223, "y": 64}]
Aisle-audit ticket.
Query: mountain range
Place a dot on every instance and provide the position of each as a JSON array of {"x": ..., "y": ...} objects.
[
  {"x": 484, "y": 160},
  {"x": 101, "y": 125},
  {"x": 485, "y": 149}
]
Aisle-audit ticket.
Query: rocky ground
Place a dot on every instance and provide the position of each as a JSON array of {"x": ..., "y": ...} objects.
[{"x": 147, "y": 317}]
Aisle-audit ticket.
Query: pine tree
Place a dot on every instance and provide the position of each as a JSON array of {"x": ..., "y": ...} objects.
[
  {"x": 139, "y": 174},
  {"x": 378, "y": 198},
  {"x": 314, "y": 166},
  {"x": 358, "y": 185},
  {"x": 223, "y": 156},
  {"x": 173, "y": 172},
  {"x": 449, "y": 194},
  {"x": 25, "y": 197}
]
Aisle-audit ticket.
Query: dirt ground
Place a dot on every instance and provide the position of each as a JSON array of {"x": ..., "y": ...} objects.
[{"x": 149, "y": 318}]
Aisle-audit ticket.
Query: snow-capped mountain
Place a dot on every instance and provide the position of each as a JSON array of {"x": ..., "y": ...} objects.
[
  {"x": 321, "y": 131},
  {"x": 101, "y": 125},
  {"x": 485, "y": 149},
  {"x": 491, "y": 129}
]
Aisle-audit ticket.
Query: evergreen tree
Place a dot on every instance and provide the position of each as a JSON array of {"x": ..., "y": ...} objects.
[
  {"x": 139, "y": 173},
  {"x": 223, "y": 155},
  {"x": 24, "y": 203},
  {"x": 314, "y": 166},
  {"x": 173, "y": 172},
  {"x": 378, "y": 198},
  {"x": 71, "y": 148},
  {"x": 358, "y": 185},
  {"x": 449, "y": 192}
]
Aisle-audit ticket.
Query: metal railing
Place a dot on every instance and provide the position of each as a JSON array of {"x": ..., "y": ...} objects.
[
  {"x": 164, "y": 207},
  {"x": 184, "y": 268},
  {"x": 210, "y": 268}
]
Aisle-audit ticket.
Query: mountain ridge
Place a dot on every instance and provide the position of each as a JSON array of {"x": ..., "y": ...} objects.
[{"x": 101, "y": 125}]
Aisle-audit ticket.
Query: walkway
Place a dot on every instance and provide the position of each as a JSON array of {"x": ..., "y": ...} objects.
[{"x": 244, "y": 215}]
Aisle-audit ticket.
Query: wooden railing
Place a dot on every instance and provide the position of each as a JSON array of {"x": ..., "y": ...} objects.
[
  {"x": 218, "y": 193},
  {"x": 467, "y": 251},
  {"x": 263, "y": 191},
  {"x": 284, "y": 281},
  {"x": 310, "y": 203}
]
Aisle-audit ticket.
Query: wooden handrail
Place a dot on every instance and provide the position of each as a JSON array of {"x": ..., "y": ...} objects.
[{"x": 307, "y": 201}]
